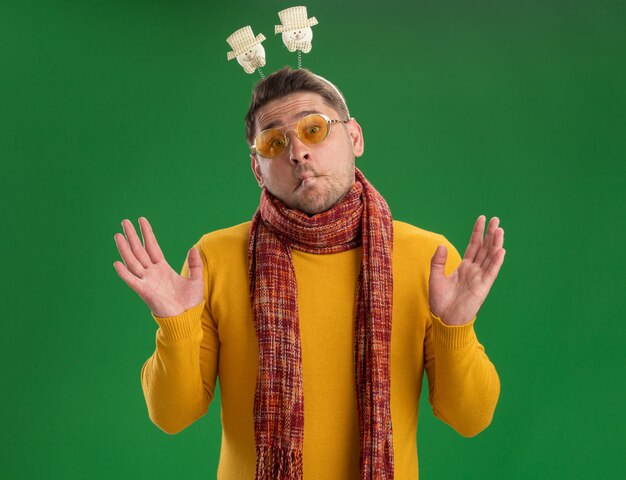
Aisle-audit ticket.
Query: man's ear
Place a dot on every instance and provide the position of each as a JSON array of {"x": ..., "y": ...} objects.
[
  {"x": 256, "y": 169},
  {"x": 356, "y": 137}
]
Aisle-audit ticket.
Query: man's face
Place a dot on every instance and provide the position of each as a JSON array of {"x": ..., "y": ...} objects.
[{"x": 310, "y": 178}]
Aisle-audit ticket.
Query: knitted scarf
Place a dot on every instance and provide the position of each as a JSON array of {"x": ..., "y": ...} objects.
[{"x": 362, "y": 217}]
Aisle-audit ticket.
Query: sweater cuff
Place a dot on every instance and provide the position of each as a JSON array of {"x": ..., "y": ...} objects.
[
  {"x": 183, "y": 325},
  {"x": 452, "y": 336}
]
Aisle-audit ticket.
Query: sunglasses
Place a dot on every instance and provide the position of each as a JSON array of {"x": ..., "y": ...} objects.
[{"x": 310, "y": 129}]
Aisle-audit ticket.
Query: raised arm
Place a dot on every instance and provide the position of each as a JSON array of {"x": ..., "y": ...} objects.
[
  {"x": 463, "y": 383},
  {"x": 178, "y": 380}
]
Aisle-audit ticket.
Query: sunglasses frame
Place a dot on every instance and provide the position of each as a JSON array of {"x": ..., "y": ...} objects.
[{"x": 328, "y": 121}]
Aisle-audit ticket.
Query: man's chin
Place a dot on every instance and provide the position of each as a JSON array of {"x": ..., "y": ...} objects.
[
  {"x": 316, "y": 206},
  {"x": 311, "y": 210},
  {"x": 312, "y": 205},
  {"x": 318, "y": 203}
]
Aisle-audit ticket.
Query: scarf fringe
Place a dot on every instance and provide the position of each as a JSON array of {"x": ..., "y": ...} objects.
[{"x": 278, "y": 463}]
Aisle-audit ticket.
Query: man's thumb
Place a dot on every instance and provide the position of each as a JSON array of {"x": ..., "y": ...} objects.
[
  {"x": 194, "y": 262},
  {"x": 438, "y": 262}
]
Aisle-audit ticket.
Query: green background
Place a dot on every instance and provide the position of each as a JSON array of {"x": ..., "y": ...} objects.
[{"x": 117, "y": 109}]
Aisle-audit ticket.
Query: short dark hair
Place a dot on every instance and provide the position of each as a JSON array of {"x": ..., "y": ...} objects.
[{"x": 287, "y": 81}]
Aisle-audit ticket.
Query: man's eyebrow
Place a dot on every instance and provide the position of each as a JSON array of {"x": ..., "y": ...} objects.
[{"x": 299, "y": 115}]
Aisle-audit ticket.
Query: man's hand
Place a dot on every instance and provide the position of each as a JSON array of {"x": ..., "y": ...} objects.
[
  {"x": 457, "y": 298},
  {"x": 166, "y": 293}
]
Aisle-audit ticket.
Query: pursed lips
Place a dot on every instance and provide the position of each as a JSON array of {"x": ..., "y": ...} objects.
[{"x": 302, "y": 179}]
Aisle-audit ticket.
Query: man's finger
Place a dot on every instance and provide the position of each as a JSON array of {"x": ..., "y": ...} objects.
[
  {"x": 498, "y": 240},
  {"x": 135, "y": 244},
  {"x": 476, "y": 239},
  {"x": 487, "y": 241},
  {"x": 150, "y": 241},
  {"x": 493, "y": 267},
  {"x": 496, "y": 244},
  {"x": 131, "y": 280},
  {"x": 130, "y": 261}
]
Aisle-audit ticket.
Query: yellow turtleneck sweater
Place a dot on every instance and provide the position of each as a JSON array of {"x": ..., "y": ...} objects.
[{"x": 217, "y": 339}]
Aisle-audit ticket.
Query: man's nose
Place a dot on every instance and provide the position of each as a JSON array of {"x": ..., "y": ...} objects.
[{"x": 298, "y": 150}]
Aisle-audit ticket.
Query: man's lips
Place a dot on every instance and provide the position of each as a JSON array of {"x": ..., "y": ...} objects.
[{"x": 306, "y": 180}]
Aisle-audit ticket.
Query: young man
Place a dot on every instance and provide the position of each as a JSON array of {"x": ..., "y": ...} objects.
[{"x": 321, "y": 314}]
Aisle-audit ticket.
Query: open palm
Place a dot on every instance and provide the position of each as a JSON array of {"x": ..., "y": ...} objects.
[
  {"x": 456, "y": 298},
  {"x": 146, "y": 271}
]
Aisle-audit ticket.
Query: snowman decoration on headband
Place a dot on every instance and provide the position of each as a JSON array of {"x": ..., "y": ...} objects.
[
  {"x": 296, "y": 29},
  {"x": 247, "y": 49},
  {"x": 297, "y": 36}
]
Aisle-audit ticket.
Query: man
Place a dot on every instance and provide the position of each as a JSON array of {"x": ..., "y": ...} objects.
[{"x": 320, "y": 315}]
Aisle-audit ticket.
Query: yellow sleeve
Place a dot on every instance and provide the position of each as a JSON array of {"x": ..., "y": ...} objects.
[
  {"x": 178, "y": 380},
  {"x": 463, "y": 383}
]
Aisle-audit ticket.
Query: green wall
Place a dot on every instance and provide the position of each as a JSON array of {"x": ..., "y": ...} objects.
[{"x": 117, "y": 109}]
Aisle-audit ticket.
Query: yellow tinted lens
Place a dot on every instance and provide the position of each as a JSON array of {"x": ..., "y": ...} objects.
[
  {"x": 270, "y": 143},
  {"x": 312, "y": 129}
]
